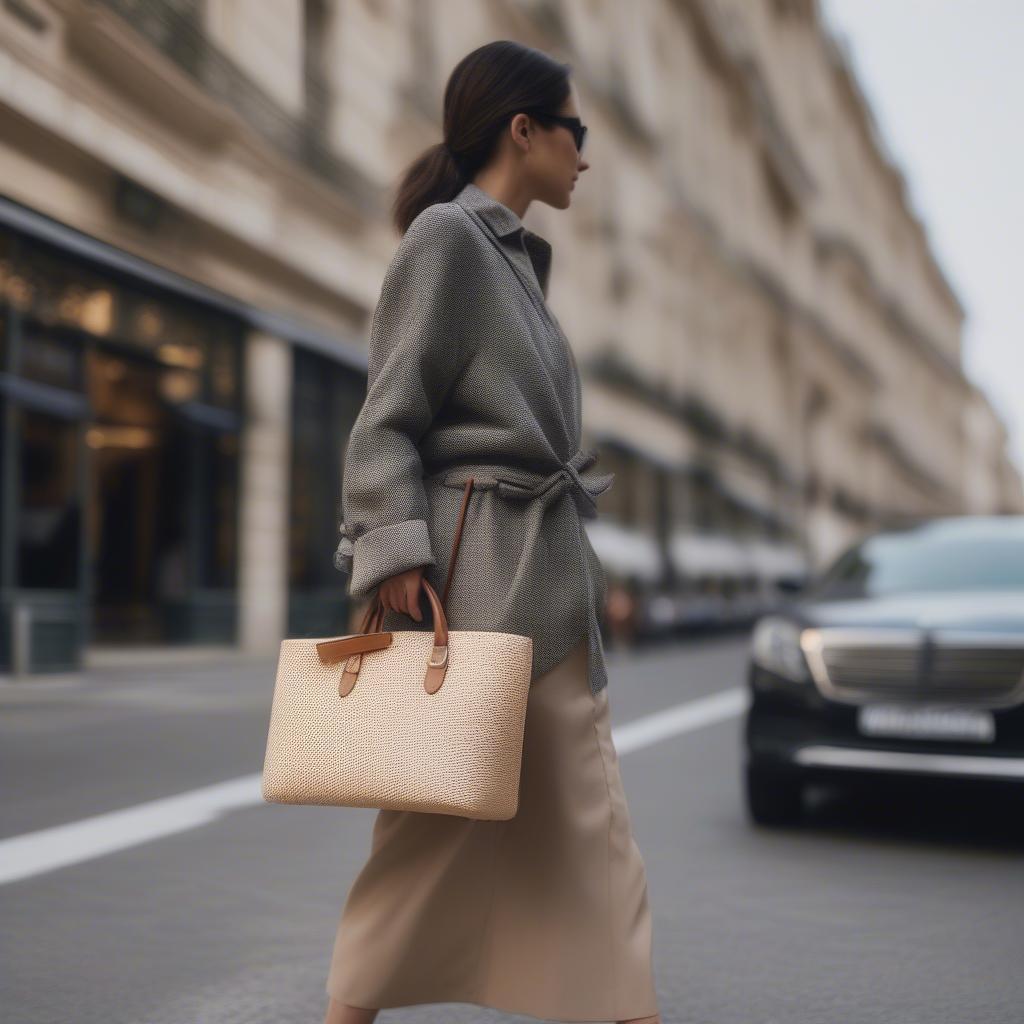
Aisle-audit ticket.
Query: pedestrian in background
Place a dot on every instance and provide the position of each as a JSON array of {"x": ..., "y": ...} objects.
[{"x": 620, "y": 611}]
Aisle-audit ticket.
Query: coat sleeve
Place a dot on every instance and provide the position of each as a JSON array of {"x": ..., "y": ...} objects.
[{"x": 417, "y": 349}]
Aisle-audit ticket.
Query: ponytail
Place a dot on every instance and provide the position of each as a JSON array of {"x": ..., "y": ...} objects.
[{"x": 436, "y": 176}]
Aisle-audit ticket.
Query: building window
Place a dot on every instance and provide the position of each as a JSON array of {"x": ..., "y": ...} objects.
[
  {"x": 616, "y": 502},
  {"x": 316, "y": 27}
]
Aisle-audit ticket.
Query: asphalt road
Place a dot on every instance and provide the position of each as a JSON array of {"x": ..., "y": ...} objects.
[{"x": 890, "y": 907}]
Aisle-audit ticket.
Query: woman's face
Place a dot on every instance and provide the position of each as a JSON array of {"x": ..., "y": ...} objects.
[{"x": 555, "y": 163}]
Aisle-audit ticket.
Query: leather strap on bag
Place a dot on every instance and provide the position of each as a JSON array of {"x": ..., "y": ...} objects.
[{"x": 455, "y": 542}]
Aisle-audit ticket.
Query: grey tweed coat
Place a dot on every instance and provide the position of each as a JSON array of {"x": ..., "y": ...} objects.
[{"x": 470, "y": 374}]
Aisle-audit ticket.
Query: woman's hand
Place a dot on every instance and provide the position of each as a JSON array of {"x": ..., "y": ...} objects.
[{"x": 401, "y": 593}]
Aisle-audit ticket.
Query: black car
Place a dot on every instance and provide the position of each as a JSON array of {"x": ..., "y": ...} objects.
[{"x": 904, "y": 658}]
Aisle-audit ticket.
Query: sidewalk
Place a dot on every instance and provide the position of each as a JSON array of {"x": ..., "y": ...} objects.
[{"x": 110, "y": 668}]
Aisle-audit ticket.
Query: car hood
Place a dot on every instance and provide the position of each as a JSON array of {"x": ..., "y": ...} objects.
[{"x": 997, "y": 610}]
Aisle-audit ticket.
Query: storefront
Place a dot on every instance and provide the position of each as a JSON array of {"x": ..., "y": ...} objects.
[
  {"x": 120, "y": 412},
  {"x": 122, "y": 440}
]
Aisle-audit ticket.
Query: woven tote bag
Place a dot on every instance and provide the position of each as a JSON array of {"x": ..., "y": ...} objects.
[{"x": 403, "y": 719}]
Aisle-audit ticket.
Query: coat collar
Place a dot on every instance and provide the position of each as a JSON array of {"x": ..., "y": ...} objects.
[{"x": 508, "y": 227}]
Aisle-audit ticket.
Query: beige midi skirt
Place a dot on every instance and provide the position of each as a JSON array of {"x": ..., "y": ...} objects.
[{"x": 544, "y": 914}]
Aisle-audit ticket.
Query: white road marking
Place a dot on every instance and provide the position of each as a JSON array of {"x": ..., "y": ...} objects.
[
  {"x": 36, "y": 853},
  {"x": 694, "y": 714}
]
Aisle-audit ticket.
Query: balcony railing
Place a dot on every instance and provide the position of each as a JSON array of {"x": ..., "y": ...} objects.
[{"x": 174, "y": 28}]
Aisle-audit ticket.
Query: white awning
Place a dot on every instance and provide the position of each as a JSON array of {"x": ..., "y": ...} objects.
[
  {"x": 698, "y": 554},
  {"x": 777, "y": 560},
  {"x": 624, "y": 552}
]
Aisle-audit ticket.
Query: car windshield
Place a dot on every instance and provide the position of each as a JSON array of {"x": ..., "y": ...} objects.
[{"x": 932, "y": 557}]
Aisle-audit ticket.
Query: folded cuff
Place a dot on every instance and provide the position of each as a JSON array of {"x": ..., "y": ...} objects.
[{"x": 383, "y": 552}]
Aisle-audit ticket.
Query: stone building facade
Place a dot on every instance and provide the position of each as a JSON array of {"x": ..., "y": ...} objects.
[{"x": 193, "y": 231}]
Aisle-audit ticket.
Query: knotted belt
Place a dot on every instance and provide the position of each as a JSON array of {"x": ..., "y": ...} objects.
[
  {"x": 546, "y": 488},
  {"x": 519, "y": 485},
  {"x": 524, "y": 485}
]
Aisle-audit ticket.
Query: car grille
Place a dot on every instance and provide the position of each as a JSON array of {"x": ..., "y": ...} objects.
[{"x": 855, "y": 665}]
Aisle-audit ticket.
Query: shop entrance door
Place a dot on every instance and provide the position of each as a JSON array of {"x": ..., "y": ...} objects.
[{"x": 138, "y": 453}]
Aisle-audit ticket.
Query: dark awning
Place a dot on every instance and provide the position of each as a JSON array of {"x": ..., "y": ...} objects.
[{"x": 102, "y": 254}]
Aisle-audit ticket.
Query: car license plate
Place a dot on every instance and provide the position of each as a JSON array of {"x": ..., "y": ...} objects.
[{"x": 932, "y": 722}]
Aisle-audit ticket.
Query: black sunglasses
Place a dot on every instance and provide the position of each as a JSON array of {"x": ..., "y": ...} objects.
[{"x": 574, "y": 124}]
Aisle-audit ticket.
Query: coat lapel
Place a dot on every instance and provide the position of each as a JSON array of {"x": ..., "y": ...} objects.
[{"x": 529, "y": 256}]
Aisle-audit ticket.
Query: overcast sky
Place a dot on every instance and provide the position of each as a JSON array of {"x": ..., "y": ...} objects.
[{"x": 945, "y": 81}]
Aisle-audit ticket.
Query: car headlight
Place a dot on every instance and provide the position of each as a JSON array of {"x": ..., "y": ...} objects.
[{"x": 775, "y": 647}]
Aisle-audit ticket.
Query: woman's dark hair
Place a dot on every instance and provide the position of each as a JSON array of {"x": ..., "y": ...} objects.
[{"x": 484, "y": 91}]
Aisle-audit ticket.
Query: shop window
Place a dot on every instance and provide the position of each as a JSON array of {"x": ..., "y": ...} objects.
[
  {"x": 198, "y": 347},
  {"x": 326, "y": 398},
  {"x": 133, "y": 438},
  {"x": 218, "y": 497},
  {"x": 49, "y": 513},
  {"x": 50, "y": 360},
  {"x": 632, "y": 500},
  {"x": 224, "y": 373},
  {"x": 55, "y": 291}
]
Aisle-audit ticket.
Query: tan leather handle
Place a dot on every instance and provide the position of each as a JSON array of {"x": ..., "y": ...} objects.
[
  {"x": 371, "y": 638},
  {"x": 352, "y": 648},
  {"x": 373, "y": 618}
]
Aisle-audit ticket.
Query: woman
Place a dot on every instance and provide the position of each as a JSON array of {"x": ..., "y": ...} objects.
[{"x": 546, "y": 913}]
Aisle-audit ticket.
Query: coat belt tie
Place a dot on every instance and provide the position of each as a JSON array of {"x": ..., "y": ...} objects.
[{"x": 523, "y": 485}]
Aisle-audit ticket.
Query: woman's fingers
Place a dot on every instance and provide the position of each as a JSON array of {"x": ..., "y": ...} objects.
[
  {"x": 401, "y": 593},
  {"x": 412, "y": 598}
]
